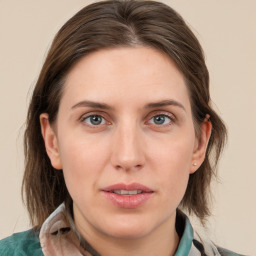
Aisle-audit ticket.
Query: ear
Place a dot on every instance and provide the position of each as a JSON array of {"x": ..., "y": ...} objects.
[
  {"x": 201, "y": 144},
  {"x": 50, "y": 141}
]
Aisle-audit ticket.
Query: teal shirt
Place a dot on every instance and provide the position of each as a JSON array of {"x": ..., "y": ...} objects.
[
  {"x": 27, "y": 243},
  {"x": 21, "y": 244}
]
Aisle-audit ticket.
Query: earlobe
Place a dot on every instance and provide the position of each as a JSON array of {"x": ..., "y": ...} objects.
[
  {"x": 50, "y": 141},
  {"x": 201, "y": 144}
]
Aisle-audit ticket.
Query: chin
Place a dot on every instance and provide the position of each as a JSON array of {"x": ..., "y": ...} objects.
[
  {"x": 129, "y": 233},
  {"x": 129, "y": 228}
]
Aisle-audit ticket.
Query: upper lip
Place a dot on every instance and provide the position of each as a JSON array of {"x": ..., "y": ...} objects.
[{"x": 128, "y": 187}]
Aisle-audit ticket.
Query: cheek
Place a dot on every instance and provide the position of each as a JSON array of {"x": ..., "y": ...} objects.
[
  {"x": 81, "y": 153},
  {"x": 83, "y": 162},
  {"x": 173, "y": 154},
  {"x": 172, "y": 161}
]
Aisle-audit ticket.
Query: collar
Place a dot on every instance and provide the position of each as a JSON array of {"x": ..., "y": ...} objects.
[{"x": 58, "y": 237}]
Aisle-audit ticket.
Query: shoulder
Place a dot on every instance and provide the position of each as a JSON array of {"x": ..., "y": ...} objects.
[
  {"x": 209, "y": 249},
  {"x": 205, "y": 245},
  {"x": 23, "y": 243},
  {"x": 225, "y": 252}
]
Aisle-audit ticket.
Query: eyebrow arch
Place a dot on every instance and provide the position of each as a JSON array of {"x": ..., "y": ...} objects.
[
  {"x": 165, "y": 103},
  {"x": 92, "y": 104}
]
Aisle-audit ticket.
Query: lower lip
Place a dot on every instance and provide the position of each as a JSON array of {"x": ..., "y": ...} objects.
[{"x": 127, "y": 202}]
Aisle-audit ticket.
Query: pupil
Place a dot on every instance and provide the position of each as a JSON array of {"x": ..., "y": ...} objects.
[
  {"x": 95, "y": 120},
  {"x": 159, "y": 119}
]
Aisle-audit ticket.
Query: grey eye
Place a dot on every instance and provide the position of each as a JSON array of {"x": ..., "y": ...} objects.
[
  {"x": 160, "y": 120},
  {"x": 95, "y": 120}
]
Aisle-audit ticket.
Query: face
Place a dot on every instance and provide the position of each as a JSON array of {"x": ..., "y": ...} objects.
[{"x": 125, "y": 139}]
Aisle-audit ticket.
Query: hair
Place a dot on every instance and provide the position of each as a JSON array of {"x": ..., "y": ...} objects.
[{"x": 109, "y": 24}]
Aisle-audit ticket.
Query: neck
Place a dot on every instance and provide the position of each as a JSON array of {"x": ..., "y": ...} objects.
[{"x": 162, "y": 241}]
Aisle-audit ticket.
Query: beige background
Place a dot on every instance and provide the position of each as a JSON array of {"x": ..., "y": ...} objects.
[{"x": 227, "y": 31}]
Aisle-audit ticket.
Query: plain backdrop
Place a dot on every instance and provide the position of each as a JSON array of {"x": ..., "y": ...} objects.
[{"x": 227, "y": 32}]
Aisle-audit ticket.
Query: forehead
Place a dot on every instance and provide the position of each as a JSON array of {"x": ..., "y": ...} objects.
[{"x": 126, "y": 73}]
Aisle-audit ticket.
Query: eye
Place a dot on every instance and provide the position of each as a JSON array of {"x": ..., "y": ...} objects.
[
  {"x": 94, "y": 120},
  {"x": 160, "y": 120}
]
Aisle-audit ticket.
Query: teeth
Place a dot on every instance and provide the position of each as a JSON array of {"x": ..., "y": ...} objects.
[{"x": 127, "y": 192}]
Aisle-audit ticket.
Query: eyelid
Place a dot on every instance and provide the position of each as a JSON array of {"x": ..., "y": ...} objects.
[
  {"x": 161, "y": 113},
  {"x": 90, "y": 123},
  {"x": 107, "y": 118},
  {"x": 95, "y": 113}
]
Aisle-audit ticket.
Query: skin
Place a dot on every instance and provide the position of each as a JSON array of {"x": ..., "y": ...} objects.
[{"x": 126, "y": 145}]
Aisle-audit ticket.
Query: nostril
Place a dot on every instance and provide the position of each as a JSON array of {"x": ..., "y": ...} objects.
[
  {"x": 129, "y": 168},
  {"x": 119, "y": 167}
]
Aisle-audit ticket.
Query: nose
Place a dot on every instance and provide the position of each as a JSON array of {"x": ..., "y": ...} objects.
[{"x": 128, "y": 148}]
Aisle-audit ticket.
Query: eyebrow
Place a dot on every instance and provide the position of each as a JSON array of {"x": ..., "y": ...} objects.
[
  {"x": 165, "y": 103},
  {"x": 92, "y": 104}
]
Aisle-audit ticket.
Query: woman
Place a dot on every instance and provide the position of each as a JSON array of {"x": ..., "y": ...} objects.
[{"x": 119, "y": 137}]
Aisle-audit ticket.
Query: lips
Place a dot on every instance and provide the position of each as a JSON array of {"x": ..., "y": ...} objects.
[{"x": 128, "y": 196}]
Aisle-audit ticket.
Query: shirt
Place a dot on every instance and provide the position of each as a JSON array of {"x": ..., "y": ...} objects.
[{"x": 58, "y": 237}]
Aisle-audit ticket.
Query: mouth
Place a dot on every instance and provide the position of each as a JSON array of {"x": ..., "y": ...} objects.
[
  {"x": 128, "y": 196},
  {"x": 127, "y": 189},
  {"x": 126, "y": 192}
]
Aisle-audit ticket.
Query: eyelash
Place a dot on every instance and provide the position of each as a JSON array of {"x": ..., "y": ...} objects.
[
  {"x": 164, "y": 115},
  {"x": 170, "y": 122},
  {"x": 83, "y": 120}
]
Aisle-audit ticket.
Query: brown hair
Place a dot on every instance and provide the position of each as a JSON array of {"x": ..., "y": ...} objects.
[{"x": 116, "y": 23}]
